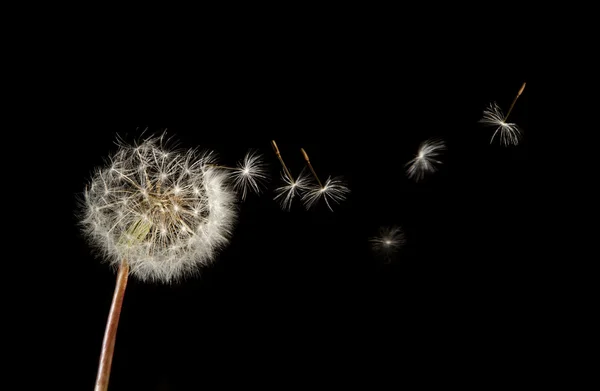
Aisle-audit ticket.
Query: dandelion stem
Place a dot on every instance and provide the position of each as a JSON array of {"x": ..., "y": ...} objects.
[
  {"x": 285, "y": 169},
  {"x": 514, "y": 101},
  {"x": 311, "y": 167},
  {"x": 110, "y": 333}
]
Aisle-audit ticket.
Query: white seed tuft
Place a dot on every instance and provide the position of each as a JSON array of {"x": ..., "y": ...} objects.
[{"x": 165, "y": 212}]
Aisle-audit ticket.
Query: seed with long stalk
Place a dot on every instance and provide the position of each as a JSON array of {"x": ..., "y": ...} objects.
[
  {"x": 292, "y": 188},
  {"x": 510, "y": 133},
  {"x": 278, "y": 153},
  {"x": 311, "y": 167},
  {"x": 514, "y": 101},
  {"x": 334, "y": 189}
]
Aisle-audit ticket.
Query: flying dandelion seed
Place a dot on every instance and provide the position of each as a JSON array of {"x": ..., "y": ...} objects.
[
  {"x": 166, "y": 212},
  {"x": 291, "y": 189},
  {"x": 424, "y": 162},
  {"x": 388, "y": 241},
  {"x": 250, "y": 174},
  {"x": 334, "y": 190},
  {"x": 509, "y": 132}
]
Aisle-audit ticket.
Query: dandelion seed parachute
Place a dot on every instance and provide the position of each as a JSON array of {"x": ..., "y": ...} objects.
[
  {"x": 290, "y": 190},
  {"x": 250, "y": 174},
  {"x": 333, "y": 190},
  {"x": 509, "y": 132},
  {"x": 388, "y": 241},
  {"x": 424, "y": 162},
  {"x": 164, "y": 211}
]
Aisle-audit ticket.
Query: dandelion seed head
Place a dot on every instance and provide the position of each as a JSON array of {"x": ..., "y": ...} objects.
[
  {"x": 156, "y": 209},
  {"x": 425, "y": 161}
]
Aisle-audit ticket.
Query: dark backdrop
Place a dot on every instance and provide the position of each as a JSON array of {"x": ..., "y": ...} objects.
[{"x": 298, "y": 296}]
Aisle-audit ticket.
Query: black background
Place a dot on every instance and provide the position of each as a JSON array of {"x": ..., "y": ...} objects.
[{"x": 298, "y": 297}]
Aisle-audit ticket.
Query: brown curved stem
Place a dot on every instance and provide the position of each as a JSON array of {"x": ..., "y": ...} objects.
[
  {"x": 514, "y": 101},
  {"x": 311, "y": 167},
  {"x": 110, "y": 333},
  {"x": 285, "y": 169}
]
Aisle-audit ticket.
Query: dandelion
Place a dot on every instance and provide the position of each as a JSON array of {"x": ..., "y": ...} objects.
[
  {"x": 164, "y": 211},
  {"x": 250, "y": 174},
  {"x": 424, "y": 162},
  {"x": 334, "y": 189},
  {"x": 388, "y": 241},
  {"x": 156, "y": 213},
  {"x": 510, "y": 133}
]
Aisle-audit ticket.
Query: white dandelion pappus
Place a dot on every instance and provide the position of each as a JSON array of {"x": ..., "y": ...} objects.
[
  {"x": 388, "y": 241},
  {"x": 509, "y": 132},
  {"x": 164, "y": 212},
  {"x": 424, "y": 162},
  {"x": 333, "y": 190},
  {"x": 291, "y": 189},
  {"x": 250, "y": 174}
]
